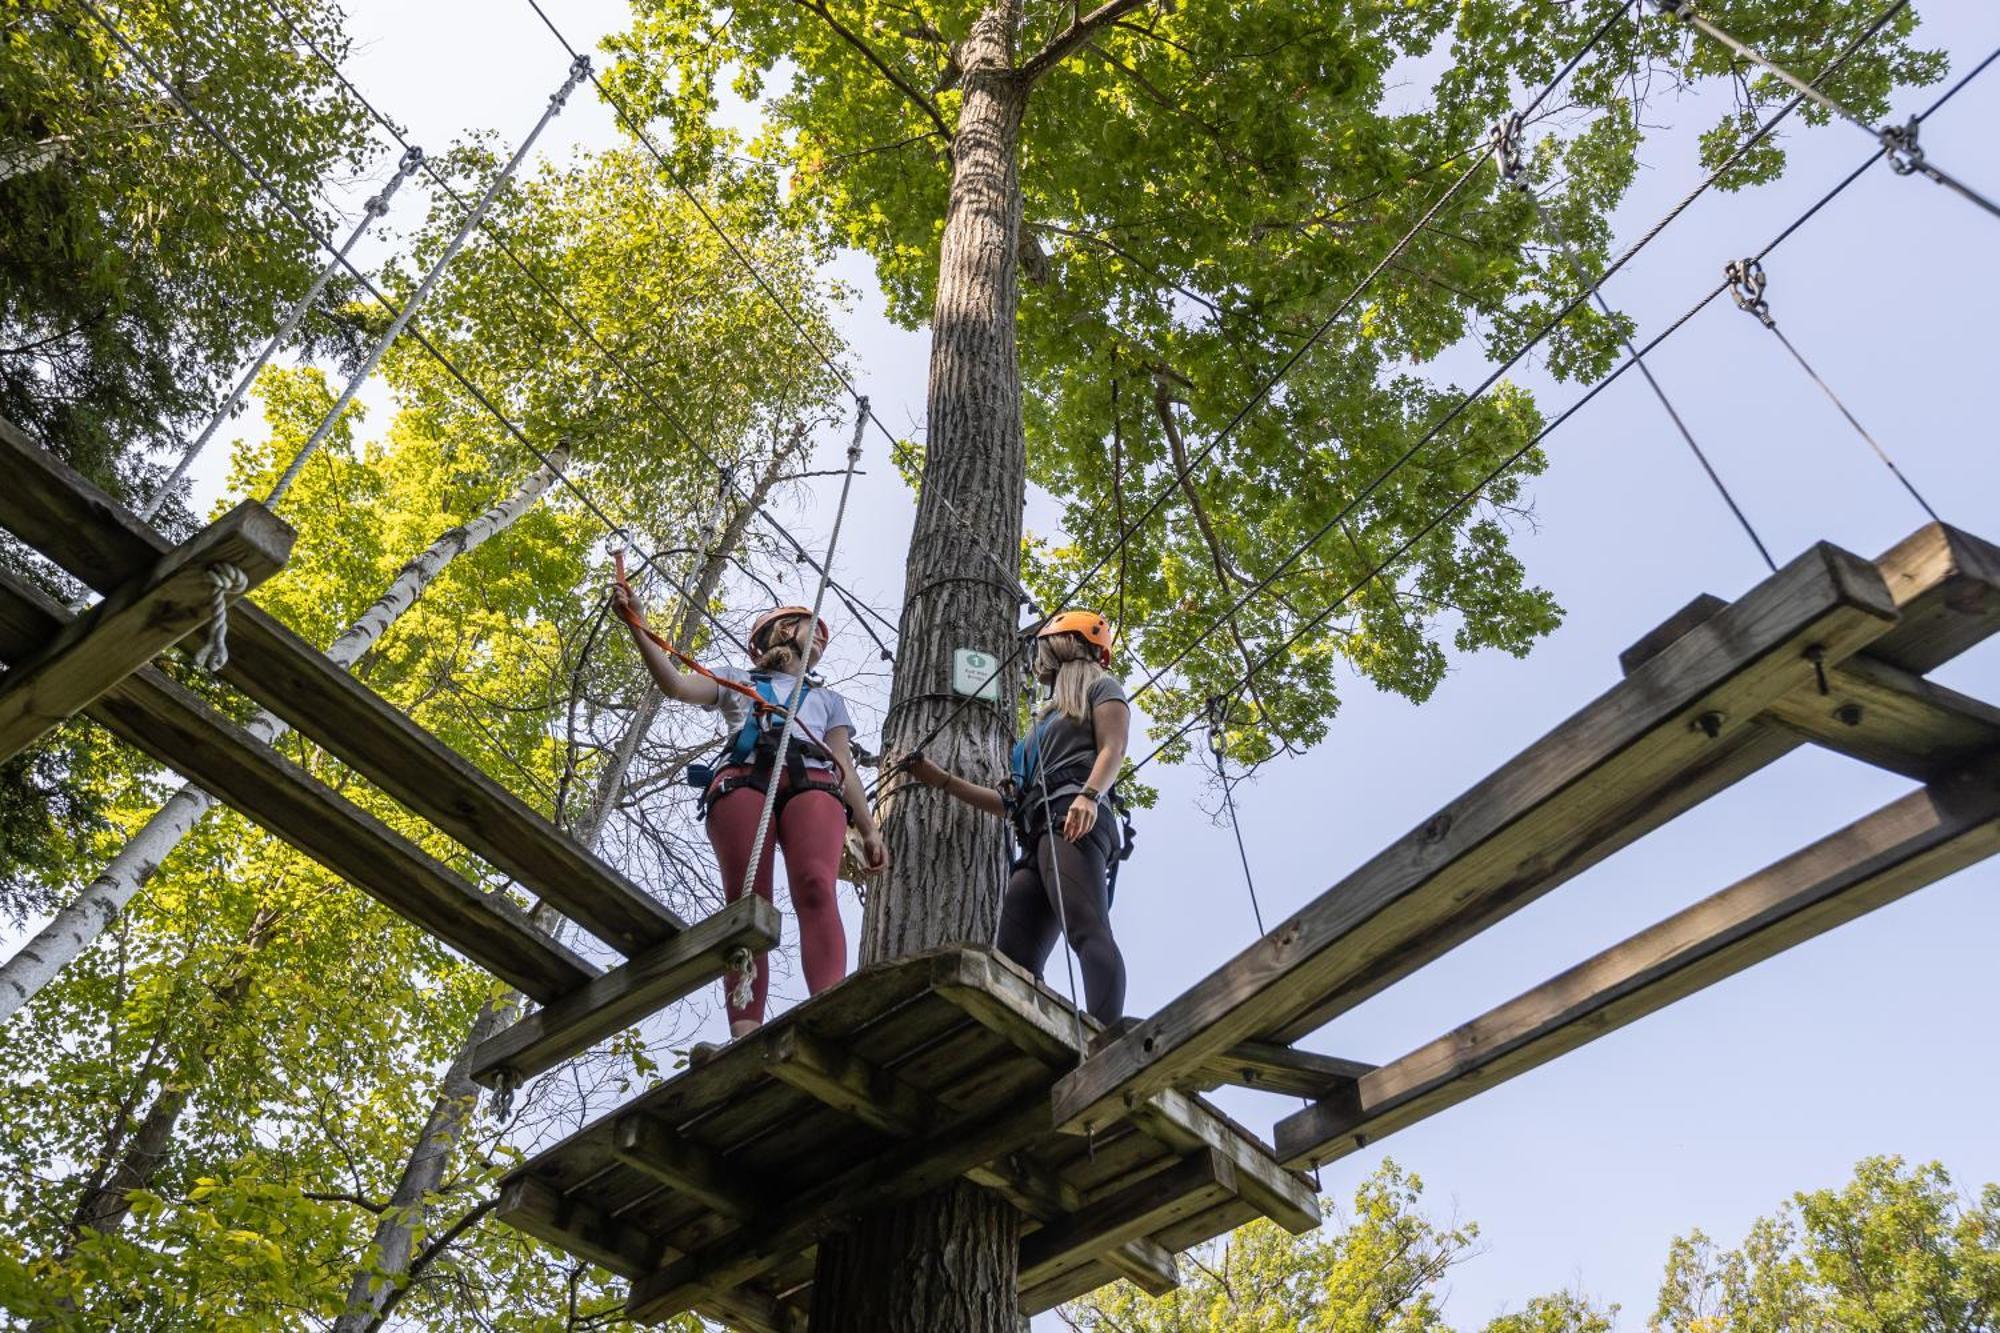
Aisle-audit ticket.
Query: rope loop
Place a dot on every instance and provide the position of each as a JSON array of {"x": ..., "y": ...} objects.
[
  {"x": 225, "y": 581},
  {"x": 741, "y": 964},
  {"x": 1746, "y": 285},
  {"x": 504, "y": 1087},
  {"x": 1899, "y": 144}
]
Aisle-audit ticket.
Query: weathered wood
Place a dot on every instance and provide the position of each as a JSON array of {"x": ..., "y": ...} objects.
[
  {"x": 1269, "y": 1067},
  {"x": 622, "y": 996},
  {"x": 1588, "y": 787},
  {"x": 1905, "y": 845},
  {"x": 822, "y": 1070},
  {"x": 170, "y": 723},
  {"x": 1883, "y": 715},
  {"x": 1947, "y": 589},
  {"x": 641, "y": 1142},
  {"x": 1186, "y": 1126},
  {"x": 1670, "y": 631},
  {"x": 1146, "y": 1264},
  {"x": 83, "y": 530},
  {"x": 1042, "y": 1194},
  {"x": 1183, "y": 1189},
  {"x": 135, "y": 624}
]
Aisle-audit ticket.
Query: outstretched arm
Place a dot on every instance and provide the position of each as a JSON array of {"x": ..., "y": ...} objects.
[
  {"x": 985, "y": 799},
  {"x": 678, "y": 685}
]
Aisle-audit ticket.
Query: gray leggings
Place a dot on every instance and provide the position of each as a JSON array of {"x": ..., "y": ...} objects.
[{"x": 1030, "y": 924}]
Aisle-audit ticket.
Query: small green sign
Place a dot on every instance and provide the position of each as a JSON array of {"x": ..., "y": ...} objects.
[{"x": 975, "y": 673}]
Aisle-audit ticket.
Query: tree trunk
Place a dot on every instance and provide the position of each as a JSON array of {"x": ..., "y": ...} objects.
[
  {"x": 77, "y": 925},
  {"x": 378, "y": 1280},
  {"x": 947, "y": 1262}
]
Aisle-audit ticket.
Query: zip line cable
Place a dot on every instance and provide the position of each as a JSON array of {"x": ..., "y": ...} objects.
[
  {"x": 1218, "y": 745},
  {"x": 377, "y": 205},
  {"x": 584, "y": 497},
  {"x": 1458, "y": 409},
  {"x": 1508, "y": 156},
  {"x": 1906, "y": 157},
  {"x": 1747, "y": 283},
  {"x": 1570, "y": 411},
  {"x": 852, "y": 601}
]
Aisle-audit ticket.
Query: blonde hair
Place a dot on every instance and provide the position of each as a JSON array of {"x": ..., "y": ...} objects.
[{"x": 1068, "y": 665}]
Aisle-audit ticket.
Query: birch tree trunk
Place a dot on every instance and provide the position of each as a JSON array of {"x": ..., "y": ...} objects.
[
  {"x": 378, "y": 1283},
  {"x": 87, "y": 916},
  {"x": 947, "y": 1262}
]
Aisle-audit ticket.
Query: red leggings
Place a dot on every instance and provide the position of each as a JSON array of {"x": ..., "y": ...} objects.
[{"x": 810, "y": 829}]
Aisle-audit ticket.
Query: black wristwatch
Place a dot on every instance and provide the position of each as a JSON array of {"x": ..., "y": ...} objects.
[{"x": 1092, "y": 792}]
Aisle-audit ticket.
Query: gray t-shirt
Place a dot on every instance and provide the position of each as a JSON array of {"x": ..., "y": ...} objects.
[
  {"x": 821, "y": 712},
  {"x": 1069, "y": 746}
]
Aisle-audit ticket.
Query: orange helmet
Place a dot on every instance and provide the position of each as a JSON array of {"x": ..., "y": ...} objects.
[
  {"x": 821, "y": 636},
  {"x": 1094, "y": 628}
]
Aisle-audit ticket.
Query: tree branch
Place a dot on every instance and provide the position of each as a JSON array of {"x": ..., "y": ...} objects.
[
  {"x": 1081, "y": 29},
  {"x": 874, "y": 58},
  {"x": 428, "y": 1257}
]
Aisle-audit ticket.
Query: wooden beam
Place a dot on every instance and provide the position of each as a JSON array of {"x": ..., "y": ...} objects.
[
  {"x": 1902, "y": 847},
  {"x": 621, "y": 997},
  {"x": 1883, "y": 715},
  {"x": 175, "y": 727},
  {"x": 89, "y": 534},
  {"x": 1269, "y": 1067},
  {"x": 135, "y": 624},
  {"x": 1184, "y": 1188},
  {"x": 1185, "y": 1125},
  {"x": 1947, "y": 589},
  {"x": 653, "y": 1149},
  {"x": 1615, "y": 769},
  {"x": 842, "y": 1080},
  {"x": 1670, "y": 631}
]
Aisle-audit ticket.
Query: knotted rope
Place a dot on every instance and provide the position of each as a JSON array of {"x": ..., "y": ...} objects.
[{"x": 225, "y": 581}]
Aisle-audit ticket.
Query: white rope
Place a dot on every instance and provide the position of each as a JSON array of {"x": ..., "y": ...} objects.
[
  {"x": 225, "y": 581},
  {"x": 799, "y": 684},
  {"x": 742, "y": 965}
]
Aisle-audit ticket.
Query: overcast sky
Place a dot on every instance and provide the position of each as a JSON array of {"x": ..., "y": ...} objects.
[{"x": 1879, "y": 1038}]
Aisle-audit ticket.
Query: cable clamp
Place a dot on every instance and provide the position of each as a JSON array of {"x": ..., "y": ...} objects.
[
  {"x": 1746, "y": 285},
  {"x": 579, "y": 70},
  {"x": 1899, "y": 143},
  {"x": 1505, "y": 140}
]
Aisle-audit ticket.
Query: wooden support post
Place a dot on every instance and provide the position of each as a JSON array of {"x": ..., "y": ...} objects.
[
  {"x": 847, "y": 1083},
  {"x": 621, "y": 997},
  {"x": 650, "y": 1147},
  {"x": 135, "y": 624},
  {"x": 89, "y": 534},
  {"x": 1269, "y": 1067},
  {"x": 174, "y": 726},
  {"x": 1619, "y": 767},
  {"x": 1903, "y": 846},
  {"x": 1187, "y": 1187}
]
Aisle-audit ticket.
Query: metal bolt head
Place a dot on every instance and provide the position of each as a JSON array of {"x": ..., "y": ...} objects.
[
  {"x": 1848, "y": 715},
  {"x": 1709, "y": 724}
]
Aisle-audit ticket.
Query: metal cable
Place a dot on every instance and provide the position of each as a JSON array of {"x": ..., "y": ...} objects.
[{"x": 1217, "y": 744}]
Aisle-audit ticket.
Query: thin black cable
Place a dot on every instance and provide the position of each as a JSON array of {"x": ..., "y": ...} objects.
[
  {"x": 708, "y": 453},
  {"x": 1570, "y": 411},
  {"x": 228, "y": 145},
  {"x": 1217, "y": 744},
  {"x": 1458, "y": 409}
]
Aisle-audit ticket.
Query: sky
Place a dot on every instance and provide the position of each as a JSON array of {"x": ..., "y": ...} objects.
[{"x": 1877, "y": 1038}]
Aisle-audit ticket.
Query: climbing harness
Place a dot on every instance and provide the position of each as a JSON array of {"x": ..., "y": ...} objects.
[
  {"x": 1746, "y": 285},
  {"x": 1509, "y": 156},
  {"x": 1898, "y": 142},
  {"x": 751, "y": 758},
  {"x": 578, "y": 71},
  {"x": 225, "y": 581},
  {"x": 375, "y": 208}
]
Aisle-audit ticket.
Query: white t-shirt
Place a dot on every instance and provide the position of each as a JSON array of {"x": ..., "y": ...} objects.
[{"x": 820, "y": 712}]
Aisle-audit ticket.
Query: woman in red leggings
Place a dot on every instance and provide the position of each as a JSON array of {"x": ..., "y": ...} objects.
[{"x": 818, "y": 789}]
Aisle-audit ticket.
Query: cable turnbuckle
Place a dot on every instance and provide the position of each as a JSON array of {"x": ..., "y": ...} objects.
[
  {"x": 1899, "y": 144},
  {"x": 1746, "y": 284},
  {"x": 1505, "y": 140}
]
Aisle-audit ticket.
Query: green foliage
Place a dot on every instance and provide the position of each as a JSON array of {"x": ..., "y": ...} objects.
[
  {"x": 1896, "y": 1250},
  {"x": 139, "y": 264},
  {"x": 1202, "y": 185}
]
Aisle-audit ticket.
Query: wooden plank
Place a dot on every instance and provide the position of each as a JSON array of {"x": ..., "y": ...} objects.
[
  {"x": 1183, "y": 1189},
  {"x": 1594, "y": 783},
  {"x": 902, "y": 1171},
  {"x": 1670, "y": 631},
  {"x": 175, "y": 727},
  {"x": 83, "y": 530},
  {"x": 1883, "y": 715},
  {"x": 1185, "y": 1125},
  {"x": 646, "y": 1145},
  {"x": 1903, "y": 846},
  {"x": 837, "y": 1078},
  {"x": 135, "y": 624},
  {"x": 622, "y": 996},
  {"x": 1947, "y": 588},
  {"x": 1269, "y": 1067}
]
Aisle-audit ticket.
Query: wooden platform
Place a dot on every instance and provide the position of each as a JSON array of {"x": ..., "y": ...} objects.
[
  {"x": 156, "y": 594},
  {"x": 712, "y": 1192},
  {"x": 1831, "y": 650}
]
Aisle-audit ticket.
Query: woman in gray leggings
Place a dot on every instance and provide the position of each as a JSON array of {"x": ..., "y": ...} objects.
[{"x": 1059, "y": 796}]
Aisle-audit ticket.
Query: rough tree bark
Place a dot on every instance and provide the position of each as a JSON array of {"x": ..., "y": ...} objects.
[
  {"x": 947, "y": 1262},
  {"x": 378, "y": 1282},
  {"x": 73, "y": 928}
]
